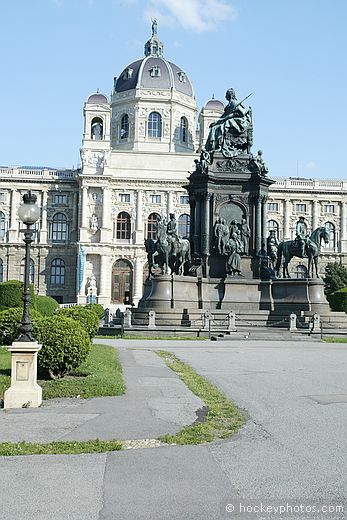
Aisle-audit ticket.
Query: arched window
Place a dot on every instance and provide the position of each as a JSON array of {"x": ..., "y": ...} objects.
[
  {"x": 123, "y": 229},
  {"x": 31, "y": 270},
  {"x": 152, "y": 226},
  {"x": 1, "y": 270},
  {"x": 124, "y": 127},
  {"x": 183, "y": 130},
  {"x": 184, "y": 225},
  {"x": 332, "y": 235},
  {"x": 2, "y": 225},
  {"x": 97, "y": 129},
  {"x": 272, "y": 225},
  {"x": 57, "y": 272},
  {"x": 154, "y": 124},
  {"x": 300, "y": 271},
  {"x": 59, "y": 228}
]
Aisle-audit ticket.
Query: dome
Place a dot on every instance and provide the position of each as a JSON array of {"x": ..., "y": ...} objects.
[
  {"x": 97, "y": 98},
  {"x": 214, "y": 104},
  {"x": 153, "y": 71}
]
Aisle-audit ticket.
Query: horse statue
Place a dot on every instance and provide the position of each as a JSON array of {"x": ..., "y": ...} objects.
[
  {"x": 160, "y": 257},
  {"x": 290, "y": 248},
  {"x": 170, "y": 252},
  {"x": 150, "y": 248}
]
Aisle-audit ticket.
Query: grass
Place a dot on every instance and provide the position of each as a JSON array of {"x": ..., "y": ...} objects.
[
  {"x": 100, "y": 375},
  {"x": 335, "y": 340},
  {"x": 222, "y": 419},
  {"x": 10, "y": 449}
]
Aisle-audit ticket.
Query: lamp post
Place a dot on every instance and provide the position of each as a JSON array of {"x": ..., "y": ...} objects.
[{"x": 24, "y": 391}]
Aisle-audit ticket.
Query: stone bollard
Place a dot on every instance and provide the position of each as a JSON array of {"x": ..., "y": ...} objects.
[
  {"x": 292, "y": 322},
  {"x": 206, "y": 320},
  {"x": 127, "y": 318},
  {"x": 151, "y": 320},
  {"x": 107, "y": 315},
  {"x": 316, "y": 324},
  {"x": 232, "y": 321}
]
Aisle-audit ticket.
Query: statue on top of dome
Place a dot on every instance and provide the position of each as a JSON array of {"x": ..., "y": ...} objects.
[{"x": 154, "y": 27}]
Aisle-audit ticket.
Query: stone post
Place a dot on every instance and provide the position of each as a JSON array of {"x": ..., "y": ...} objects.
[
  {"x": 127, "y": 318},
  {"x": 232, "y": 322},
  {"x": 206, "y": 320},
  {"x": 151, "y": 320},
  {"x": 316, "y": 324},
  {"x": 292, "y": 322}
]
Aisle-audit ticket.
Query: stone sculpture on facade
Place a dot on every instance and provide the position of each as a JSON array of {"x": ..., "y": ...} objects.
[
  {"x": 245, "y": 236},
  {"x": 92, "y": 289},
  {"x": 93, "y": 223},
  {"x": 258, "y": 165}
]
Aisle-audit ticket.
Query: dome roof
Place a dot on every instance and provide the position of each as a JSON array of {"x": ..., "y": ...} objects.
[
  {"x": 97, "y": 98},
  {"x": 214, "y": 104},
  {"x": 153, "y": 71}
]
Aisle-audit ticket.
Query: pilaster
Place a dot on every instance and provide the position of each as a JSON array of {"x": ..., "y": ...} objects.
[
  {"x": 13, "y": 231},
  {"x": 139, "y": 231},
  {"x": 106, "y": 229}
]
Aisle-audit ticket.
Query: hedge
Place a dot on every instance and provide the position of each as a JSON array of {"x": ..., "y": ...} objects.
[
  {"x": 10, "y": 321},
  {"x": 87, "y": 318},
  {"x": 338, "y": 300},
  {"x": 46, "y": 305},
  {"x": 11, "y": 294},
  {"x": 96, "y": 308}
]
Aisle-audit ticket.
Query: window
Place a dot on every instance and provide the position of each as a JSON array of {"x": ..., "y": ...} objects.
[
  {"x": 182, "y": 76},
  {"x": 123, "y": 229},
  {"x": 59, "y": 198},
  {"x": 329, "y": 208},
  {"x": 154, "y": 72},
  {"x": 124, "y": 197},
  {"x": 184, "y": 199},
  {"x": 2, "y": 225},
  {"x": 128, "y": 73},
  {"x": 1, "y": 270},
  {"x": 155, "y": 199},
  {"x": 272, "y": 225},
  {"x": 154, "y": 125},
  {"x": 331, "y": 230},
  {"x": 300, "y": 271},
  {"x": 59, "y": 228},
  {"x": 124, "y": 127},
  {"x": 183, "y": 225},
  {"x": 272, "y": 206},
  {"x": 183, "y": 130},
  {"x": 152, "y": 226},
  {"x": 58, "y": 272},
  {"x": 97, "y": 129},
  {"x": 300, "y": 208},
  {"x": 31, "y": 270}
]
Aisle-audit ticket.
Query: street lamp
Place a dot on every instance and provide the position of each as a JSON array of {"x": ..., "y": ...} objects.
[
  {"x": 24, "y": 391},
  {"x": 28, "y": 213}
]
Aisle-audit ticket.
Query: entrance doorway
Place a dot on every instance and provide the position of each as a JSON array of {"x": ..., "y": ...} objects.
[{"x": 122, "y": 282}]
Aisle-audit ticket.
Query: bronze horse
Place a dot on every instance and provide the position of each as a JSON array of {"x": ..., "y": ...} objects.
[
  {"x": 166, "y": 253},
  {"x": 290, "y": 248}
]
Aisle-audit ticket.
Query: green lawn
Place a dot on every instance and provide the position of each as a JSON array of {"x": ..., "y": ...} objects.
[
  {"x": 100, "y": 375},
  {"x": 335, "y": 340}
]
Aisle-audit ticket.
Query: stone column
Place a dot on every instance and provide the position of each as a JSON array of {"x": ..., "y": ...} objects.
[
  {"x": 258, "y": 224},
  {"x": 43, "y": 230},
  {"x": 170, "y": 203},
  {"x": 314, "y": 214},
  {"x": 206, "y": 225},
  {"x": 106, "y": 229},
  {"x": 197, "y": 227},
  {"x": 286, "y": 216},
  {"x": 75, "y": 217},
  {"x": 343, "y": 227},
  {"x": 84, "y": 236},
  {"x": 263, "y": 218},
  {"x": 138, "y": 279},
  {"x": 192, "y": 218},
  {"x": 139, "y": 231},
  {"x": 105, "y": 282},
  {"x": 13, "y": 231}
]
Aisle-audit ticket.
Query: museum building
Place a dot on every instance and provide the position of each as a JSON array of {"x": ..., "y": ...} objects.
[{"x": 137, "y": 151}]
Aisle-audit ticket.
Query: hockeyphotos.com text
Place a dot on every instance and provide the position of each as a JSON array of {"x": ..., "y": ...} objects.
[{"x": 284, "y": 508}]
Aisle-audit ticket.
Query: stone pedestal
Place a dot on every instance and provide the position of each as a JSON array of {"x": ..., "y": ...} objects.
[{"x": 24, "y": 391}]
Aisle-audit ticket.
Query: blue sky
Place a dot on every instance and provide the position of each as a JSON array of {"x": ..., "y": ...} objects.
[{"x": 290, "y": 53}]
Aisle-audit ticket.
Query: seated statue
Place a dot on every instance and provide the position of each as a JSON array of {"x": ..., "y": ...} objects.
[{"x": 235, "y": 120}]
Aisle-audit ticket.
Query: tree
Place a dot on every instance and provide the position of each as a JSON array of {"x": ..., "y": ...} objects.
[{"x": 335, "y": 277}]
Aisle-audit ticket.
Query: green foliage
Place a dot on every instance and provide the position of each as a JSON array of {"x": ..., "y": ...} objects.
[
  {"x": 46, "y": 305},
  {"x": 335, "y": 277},
  {"x": 96, "y": 308},
  {"x": 10, "y": 321},
  {"x": 338, "y": 300},
  {"x": 11, "y": 294},
  {"x": 87, "y": 318},
  {"x": 65, "y": 344},
  {"x": 10, "y": 449}
]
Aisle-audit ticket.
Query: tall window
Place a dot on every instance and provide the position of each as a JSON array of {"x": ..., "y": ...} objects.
[
  {"x": 300, "y": 271},
  {"x": 97, "y": 129},
  {"x": 272, "y": 206},
  {"x": 60, "y": 198},
  {"x": 31, "y": 270},
  {"x": 272, "y": 225},
  {"x": 1, "y": 270},
  {"x": 300, "y": 208},
  {"x": 152, "y": 226},
  {"x": 59, "y": 228},
  {"x": 329, "y": 208},
  {"x": 123, "y": 229},
  {"x": 2, "y": 225},
  {"x": 332, "y": 235},
  {"x": 124, "y": 127},
  {"x": 155, "y": 199},
  {"x": 183, "y": 130},
  {"x": 183, "y": 225},
  {"x": 58, "y": 272},
  {"x": 154, "y": 124}
]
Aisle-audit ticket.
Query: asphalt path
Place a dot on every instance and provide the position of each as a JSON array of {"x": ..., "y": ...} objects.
[{"x": 291, "y": 452}]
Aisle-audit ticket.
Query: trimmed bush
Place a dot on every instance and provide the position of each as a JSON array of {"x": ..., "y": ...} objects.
[
  {"x": 65, "y": 344},
  {"x": 96, "y": 308},
  {"x": 338, "y": 300},
  {"x": 11, "y": 294},
  {"x": 10, "y": 321},
  {"x": 87, "y": 318},
  {"x": 46, "y": 305}
]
